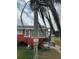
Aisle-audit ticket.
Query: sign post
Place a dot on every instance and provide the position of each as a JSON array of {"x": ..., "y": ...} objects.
[{"x": 36, "y": 40}]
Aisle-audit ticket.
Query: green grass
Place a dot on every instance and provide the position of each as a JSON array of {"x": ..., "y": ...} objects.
[
  {"x": 23, "y": 53},
  {"x": 57, "y": 41}
]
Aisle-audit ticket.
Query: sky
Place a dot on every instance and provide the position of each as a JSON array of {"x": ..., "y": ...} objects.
[{"x": 28, "y": 17}]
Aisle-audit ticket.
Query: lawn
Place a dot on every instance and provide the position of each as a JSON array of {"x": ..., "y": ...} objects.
[
  {"x": 57, "y": 41},
  {"x": 49, "y": 54},
  {"x": 23, "y": 53}
]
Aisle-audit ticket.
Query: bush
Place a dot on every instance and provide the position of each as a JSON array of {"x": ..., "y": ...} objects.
[{"x": 21, "y": 44}]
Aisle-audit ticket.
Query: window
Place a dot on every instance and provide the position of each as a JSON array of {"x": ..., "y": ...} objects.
[
  {"x": 32, "y": 33},
  {"x": 42, "y": 34},
  {"x": 27, "y": 33},
  {"x": 19, "y": 31}
]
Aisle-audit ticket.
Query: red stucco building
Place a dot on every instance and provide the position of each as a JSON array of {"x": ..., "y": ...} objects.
[{"x": 26, "y": 35}]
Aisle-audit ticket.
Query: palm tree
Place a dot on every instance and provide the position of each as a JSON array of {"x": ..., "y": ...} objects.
[{"x": 41, "y": 7}]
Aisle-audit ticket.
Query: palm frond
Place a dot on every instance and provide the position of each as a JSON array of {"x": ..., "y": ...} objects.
[
  {"x": 22, "y": 14},
  {"x": 55, "y": 15},
  {"x": 50, "y": 23},
  {"x": 42, "y": 16},
  {"x": 57, "y": 1},
  {"x": 40, "y": 27}
]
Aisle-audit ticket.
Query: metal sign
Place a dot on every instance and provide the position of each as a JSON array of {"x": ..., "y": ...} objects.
[{"x": 36, "y": 40}]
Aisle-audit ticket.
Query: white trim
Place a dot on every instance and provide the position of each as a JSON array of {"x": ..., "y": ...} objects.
[
  {"x": 29, "y": 34},
  {"x": 31, "y": 28}
]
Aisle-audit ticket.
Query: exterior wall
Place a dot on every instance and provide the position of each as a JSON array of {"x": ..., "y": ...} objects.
[{"x": 20, "y": 38}]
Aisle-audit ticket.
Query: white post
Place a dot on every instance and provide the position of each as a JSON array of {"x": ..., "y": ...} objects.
[{"x": 35, "y": 44}]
